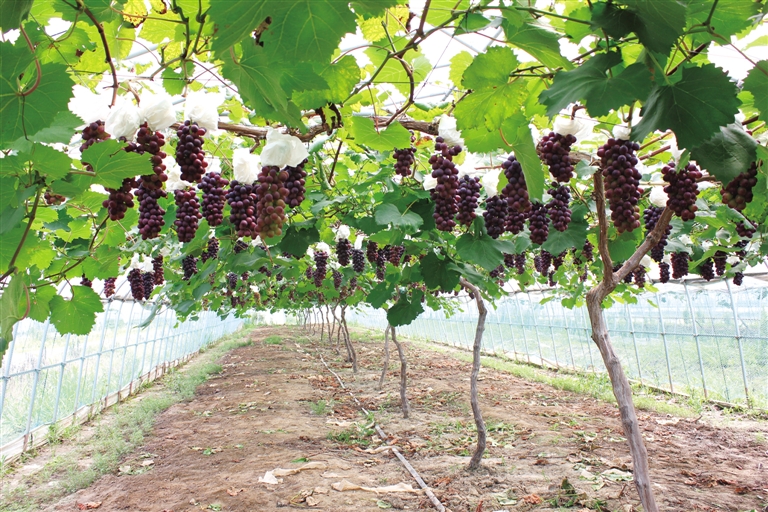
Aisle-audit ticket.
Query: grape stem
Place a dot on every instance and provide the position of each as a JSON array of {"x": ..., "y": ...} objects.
[
  {"x": 11, "y": 267},
  {"x": 107, "y": 54},
  {"x": 39, "y": 72}
]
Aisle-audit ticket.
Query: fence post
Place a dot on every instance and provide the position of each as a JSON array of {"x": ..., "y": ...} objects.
[
  {"x": 664, "y": 339},
  {"x": 522, "y": 324},
  {"x": 536, "y": 329},
  {"x": 738, "y": 339},
  {"x": 101, "y": 349},
  {"x": 634, "y": 341},
  {"x": 82, "y": 367},
  {"x": 696, "y": 338},
  {"x": 552, "y": 333},
  {"x": 566, "y": 314},
  {"x": 61, "y": 379},
  {"x": 34, "y": 385},
  {"x": 114, "y": 342},
  {"x": 125, "y": 349},
  {"x": 7, "y": 367}
]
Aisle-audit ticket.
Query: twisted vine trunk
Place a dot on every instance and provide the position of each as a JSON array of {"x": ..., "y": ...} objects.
[
  {"x": 404, "y": 405},
  {"x": 477, "y": 457},
  {"x": 386, "y": 358},
  {"x": 347, "y": 340}
]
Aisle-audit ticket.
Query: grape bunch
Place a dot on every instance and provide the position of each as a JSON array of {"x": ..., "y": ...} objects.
[
  {"x": 682, "y": 189},
  {"x": 321, "y": 266},
  {"x": 264, "y": 270},
  {"x": 738, "y": 278},
  {"x": 270, "y": 208},
  {"x": 651, "y": 216},
  {"x": 211, "y": 252},
  {"x": 358, "y": 260},
  {"x": 336, "y": 278},
  {"x": 445, "y": 194},
  {"x": 309, "y": 273},
  {"x": 187, "y": 214},
  {"x": 109, "y": 286},
  {"x": 738, "y": 192},
  {"x": 214, "y": 196},
  {"x": 538, "y": 223},
  {"x": 53, "y": 199},
  {"x": 395, "y": 254},
  {"x": 92, "y": 134},
  {"x": 638, "y": 275},
  {"x": 679, "y": 262},
  {"x": 149, "y": 283},
  {"x": 120, "y": 199},
  {"x": 520, "y": 264},
  {"x": 150, "y": 213},
  {"x": 706, "y": 271},
  {"x": 84, "y": 281},
  {"x": 150, "y": 142},
  {"x": 720, "y": 259},
  {"x": 745, "y": 230},
  {"x": 343, "y": 248},
  {"x": 157, "y": 270},
  {"x": 622, "y": 182},
  {"x": 189, "y": 266},
  {"x": 242, "y": 208},
  {"x": 557, "y": 261},
  {"x": 295, "y": 184},
  {"x": 381, "y": 263},
  {"x": 664, "y": 272},
  {"x": 516, "y": 221},
  {"x": 497, "y": 272},
  {"x": 515, "y": 191},
  {"x": 231, "y": 280},
  {"x": 555, "y": 151},
  {"x": 404, "y": 159},
  {"x": 136, "y": 281},
  {"x": 557, "y": 207},
  {"x": 468, "y": 194},
  {"x": 495, "y": 216},
  {"x": 189, "y": 152},
  {"x": 239, "y": 246},
  {"x": 372, "y": 252},
  {"x": 588, "y": 251}
]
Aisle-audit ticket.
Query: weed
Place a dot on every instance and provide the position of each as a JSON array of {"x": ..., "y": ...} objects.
[
  {"x": 321, "y": 407},
  {"x": 760, "y": 438},
  {"x": 359, "y": 435},
  {"x": 273, "y": 340}
]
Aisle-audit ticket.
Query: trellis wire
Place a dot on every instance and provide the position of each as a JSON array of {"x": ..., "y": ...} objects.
[
  {"x": 706, "y": 340},
  {"x": 47, "y": 379}
]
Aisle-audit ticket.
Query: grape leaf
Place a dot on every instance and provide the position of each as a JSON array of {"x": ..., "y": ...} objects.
[
  {"x": 78, "y": 315},
  {"x": 372, "y": 8},
  {"x": 490, "y": 107},
  {"x": 14, "y": 12},
  {"x": 757, "y": 83},
  {"x": 624, "y": 245},
  {"x": 404, "y": 311},
  {"x": 600, "y": 92},
  {"x": 726, "y": 155},
  {"x": 480, "y": 250},
  {"x": 729, "y": 18},
  {"x": 437, "y": 273},
  {"x": 459, "y": 63},
  {"x": 574, "y": 236},
  {"x": 659, "y": 22},
  {"x": 542, "y": 44},
  {"x": 615, "y": 21},
  {"x": 490, "y": 69},
  {"x": 11, "y": 310},
  {"x": 10, "y": 241},
  {"x": 112, "y": 164},
  {"x": 297, "y": 239},
  {"x": 695, "y": 107},
  {"x": 50, "y": 163},
  {"x": 380, "y": 294},
  {"x": 39, "y": 303},
  {"x": 364, "y": 133},
  {"x": 388, "y": 213},
  {"x": 341, "y": 78},
  {"x": 236, "y": 20},
  {"x": 60, "y": 130}
]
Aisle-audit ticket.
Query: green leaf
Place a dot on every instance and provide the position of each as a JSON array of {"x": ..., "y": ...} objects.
[
  {"x": 592, "y": 84},
  {"x": 542, "y": 44},
  {"x": 12, "y": 309},
  {"x": 490, "y": 69},
  {"x": 60, "y": 130},
  {"x": 112, "y": 164},
  {"x": 49, "y": 162},
  {"x": 297, "y": 240},
  {"x": 623, "y": 246},
  {"x": 729, "y": 17},
  {"x": 236, "y": 20},
  {"x": 14, "y": 12},
  {"x": 659, "y": 22},
  {"x": 694, "y": 108},
  {"x": 574, "y": 236},
  {"x": 26, "y": 115},
  {"x": 341, "y": 77},
  {"x": 481, "y": 251},
  {"x": 201, "y": 290},
  {"x": 757, "y": 83},
  {"x": 473, "y": 22},
  {"x": 78, "y": 315},
  {"x": 380, "y": 294},
  {"x": 459, "y": 63},
  {"x": 10, "y": 241},
  {"x": 437, "y": 273},
  {"x": 615, "y": 21},
  {"x": 404, "y": 311},
  {"x": 39, "y": 303},
  {"x": 726, "y": 155},
  {"x": 364, "y": 133},
  {"x": 372, "y": 8},
  {"x": 525, "y": 150},
  {"x": 490, "y": 107},
  {"x": 387, "y": 214}
]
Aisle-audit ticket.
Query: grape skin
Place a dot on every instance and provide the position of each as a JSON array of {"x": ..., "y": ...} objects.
[{"x": 622, "y": 182}]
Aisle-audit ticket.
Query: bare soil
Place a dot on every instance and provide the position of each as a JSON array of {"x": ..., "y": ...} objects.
[{"x": 548, "y": 449}]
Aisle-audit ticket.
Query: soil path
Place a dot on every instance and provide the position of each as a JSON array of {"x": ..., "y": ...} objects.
[{"x": 276, "y": 406}]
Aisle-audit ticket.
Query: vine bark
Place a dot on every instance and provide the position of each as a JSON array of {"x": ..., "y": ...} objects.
[{"x": 477, "y": 457}]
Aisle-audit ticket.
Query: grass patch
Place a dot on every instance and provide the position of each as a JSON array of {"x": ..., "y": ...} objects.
[
  {"x": 273, "y": 340},
  {"x": 321, "y": 407},
  {"x": 358, "y": 435},
  {"x": 118, "y": 431}
]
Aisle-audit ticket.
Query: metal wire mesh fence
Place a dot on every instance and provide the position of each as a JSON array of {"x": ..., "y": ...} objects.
[
  {"x": 705, "y": 340},
  {"x": 47, "y": 378}
]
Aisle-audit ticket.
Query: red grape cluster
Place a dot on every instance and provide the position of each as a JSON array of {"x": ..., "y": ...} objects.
[
  {"x": 664, "y": 272},
  {"x": 92, "y": 134},
  {"x": 744, "y": 230},
  {"x": 738, "y": 192},
  {"x": 395, "y": 254},
  {"x": 136, "y": 280},
  {"x": 149, "y": 283},
  {"x": 538, "y": 223},
  {"x": 622, "y": 182},
  {"x": 495, "y": 216},
  {"x": 651, "y": 216},
  {"x": 53, "y": 199},
  {"x": 403, "y": 161},
  {"x": 557, "y": 207},
  {"x": 242, "y": 208},
  {"x": 295, "y": 183},
  {"x": 738, "y": 278},
  {"x": 239, "y": 246},
  {"x": 321, "y": 267},
  {"x": 336, "y": 278},
  {"x": 555, "y": 151},
  {"x": 445, "y": 193},
  {"x": 231, "y": 280},
  {"x": 187, "y": 214},
  {"x": 84, "y": 281},
  {"x": 211, "y": 252},
  {"x": 214, "y": 197},
  {"x": 706, "y": 270},
  {"x": 468, "y": 194},
  {"x": 682, "y": 189},
  {"x": 157, "y": 270},
  {"x": 679, "y": 262},
  {"x": 109, "y": 286},
  {"x": 270, "y": 208},
  {"x": 516, "y": 221},
  {"x": 720, "y": 259},
  {"x": 189, "y": 152},
  {"x": 372, "y": 252},
  {"x": 343, "y": 248},
  {"x": 120, "y": 199},
  {"x": 358, "y": 260},
  {"x": 515, "y": 191},
  {"x": 150, "y": 213},
  {"x": 150, "y": 142},
  {"x": 189, "y": 266},
  {"x": 381, "y": 263},
  {"x": 638, "y": 275}
]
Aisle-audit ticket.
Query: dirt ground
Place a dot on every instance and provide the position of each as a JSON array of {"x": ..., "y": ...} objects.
[{"x": 276, "y": 406}]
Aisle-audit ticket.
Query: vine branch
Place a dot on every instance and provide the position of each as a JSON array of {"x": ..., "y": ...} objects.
[{"x": 108, "y": 56}]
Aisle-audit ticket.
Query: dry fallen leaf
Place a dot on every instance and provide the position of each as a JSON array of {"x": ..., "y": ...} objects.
[
  {"x": 90, "y": 505},
  {"x": 532, "y": 499},
  {"x": 234, "y": 492}
]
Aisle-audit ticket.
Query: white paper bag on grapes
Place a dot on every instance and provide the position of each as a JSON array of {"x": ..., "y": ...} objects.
[
  {"x": 429, "y": 182},
  {"x": 157, "y": 111},
  {"x": 282, "y": 150},
  {"x": 448, "y": 131},
  {"x": 123, "y": 119},
  {"x": 342, "y": 232},
  {"x": 202, "y": 107},
  {"x": 246, "y": 165},
  {"x": 490, "y": 181},
  {"x": 87, "y": 105},
  {"x": 173, "y": 171}
]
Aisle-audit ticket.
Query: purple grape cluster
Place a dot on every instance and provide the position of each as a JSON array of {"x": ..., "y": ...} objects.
[
  {"x": 495, "y": 216},
  {"x": 270, "y": 208},
  {"x": 559, "y": 260},
  {"x": 211, "y": 252},
  {"x": 295, "y": 183},
  {"x": 381, "y": 263},
  {"x": 445, "y": 194},
  {"x": 664, "y": 272},
  {"x": 150, "y": 142},
  {"x": 372, "y": 252},
  {"x": 555, "y": 151},
  {"x": 588, "y": 251},
  {"x": 321, "y": 267},
  {"x": 109, "y": 286},
  {"x": 468, "y": 194},
  {"x": 231, "y": 280},
  {"x": 516, "y": 190},
  {"x": 738, "y": 192},
  {"x": 189, "y": 152},
  {"x": 149, "y": 283},
  {"x": 404, "y": 159},
  {"x": 336, "y": 278},
  {"x": 92, "y": 134},
  {"x": 622, "y": 182},
  {"x": 744, "y": 230},
  {"x": 84, "y": 281},
  {"x": 150, "y": 213},
  {"x": 720, "y": 259},
  {"x": 516, "y": 221},
  {"x": 239, "y": 246},
  {"x": 120, "y": 199},
  {"x": 682, "y": 189},
  {"x": 497, "y": 272},
  {"x": 638, "y": 276},
  {"x": 520, "y": 264},
  {"x": 358, "y": 260},
  {"x": 557, "y": 207},
  {"x": 189, "y": 267},
  {"x": 187, "y": 214},
  {"x": 706, "y": 270},
  {"x": 538, "y": 223},
  {"x": 651, "y": 216},
  {"x": 242, "y": 208},
  {"x": 395, "y": 254},
  {"x": 52, "y": 199},
  {"x": 738, "y": 278},
  {"x": 679, "y": 262},
  {"x": 343, "y": 248},
  {"x": 214, "y": 197},
  {"x": 157, "y": 270},
  {"x": 136, "y": 281}
]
